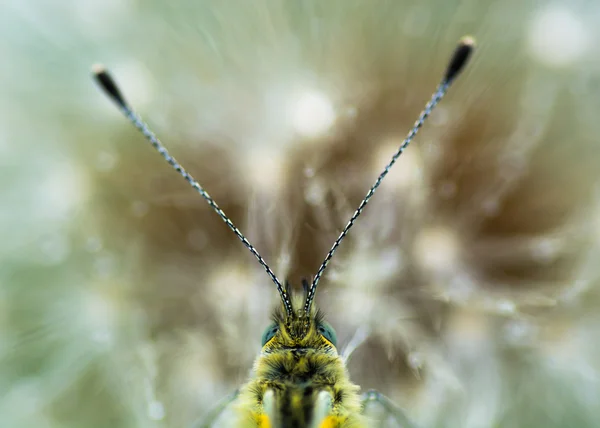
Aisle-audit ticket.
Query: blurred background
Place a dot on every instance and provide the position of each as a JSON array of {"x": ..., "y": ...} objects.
[{"x": 472, "y": 276}]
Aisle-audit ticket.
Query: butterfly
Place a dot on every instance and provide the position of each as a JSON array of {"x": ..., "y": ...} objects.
[{"x": 299, "y": 379}]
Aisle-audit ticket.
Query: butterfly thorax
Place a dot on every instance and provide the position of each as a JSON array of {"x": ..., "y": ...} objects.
[{"x": 299, "y": 380}]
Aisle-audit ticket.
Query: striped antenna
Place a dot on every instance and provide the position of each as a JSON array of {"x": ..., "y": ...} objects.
[
  {"x": 109, "y": 86},
  {"x": 457, "y": 63}
]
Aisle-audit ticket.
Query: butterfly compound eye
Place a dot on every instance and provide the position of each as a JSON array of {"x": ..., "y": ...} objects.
[
  {"x": 328, "y": 333},
  {"x": 269, "y": 333}
]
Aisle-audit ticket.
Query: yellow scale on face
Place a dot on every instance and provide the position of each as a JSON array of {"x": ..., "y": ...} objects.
[{"x": 299, "y": 379}]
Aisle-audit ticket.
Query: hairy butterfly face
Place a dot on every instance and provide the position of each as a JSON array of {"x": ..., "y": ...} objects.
[{"x": 298, "y": 332}]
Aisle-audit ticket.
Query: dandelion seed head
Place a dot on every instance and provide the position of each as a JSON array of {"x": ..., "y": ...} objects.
[
  {"x": 458, "y": 288},
  {"x": 416, "y": 360},
  {"x": 468, "y": 332},
  {"x": 64, "y": 188},
  {"x": 265, "y": 169},
  {"x": 444, "y": 267},
  {"x": 136, "y": 78},
  {"x": 437, "y": 249},
  {"x": 156, "y": 410},
  {"x": 25, "y": 395},
  {"x": 284, "y": 261},
  {"x": 351, "y": 112},
  {"x": 314, "y": 192},
  {"x": 441, "y": 117},
  {"x": 573, "y": 293},
  {"x": 369, "y": 268},
  {"x": 408, "y": 171},
  {"x": 99, "y": 314},
  {"x": 505, "y": 306},
  {"x": 562, "y": 344},
  {"x": 557, "y": 36},
  {"x": 309, "y": 172},
  {"x": 490, "y": 205},
  {"x": 226, "y": 277},
  {"x": 191, "y": 371},
  {"x": 311, "y": 113},
  {"x": 520, "y": 332},
  {"x": 569, "y": 358},
  {"x": 545, "y": 250}
]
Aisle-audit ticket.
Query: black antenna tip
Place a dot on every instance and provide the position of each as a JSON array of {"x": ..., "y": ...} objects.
[
  {"x": 107, "y": 83},
  {"x": 461, "y": 56}
]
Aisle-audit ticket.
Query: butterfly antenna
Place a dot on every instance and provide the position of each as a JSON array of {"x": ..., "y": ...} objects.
[
  {"x": 109, "y": 86},
  {"x": 457, "y": 63}
]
